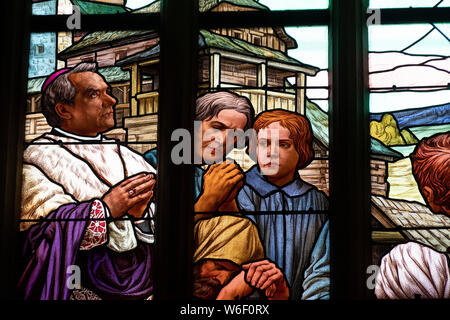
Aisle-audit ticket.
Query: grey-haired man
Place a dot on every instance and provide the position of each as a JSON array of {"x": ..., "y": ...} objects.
[{"x": 217, "y": 187}]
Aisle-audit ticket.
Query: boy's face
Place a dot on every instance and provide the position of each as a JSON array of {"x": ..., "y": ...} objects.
[{"x": 277, "y": 156}]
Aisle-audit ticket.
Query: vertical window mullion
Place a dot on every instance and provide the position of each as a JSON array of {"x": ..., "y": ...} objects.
[
  {"x": 15, "y": 23},
  {"x": 349, "y": 150},
  {"x": 174, "y": 224}
]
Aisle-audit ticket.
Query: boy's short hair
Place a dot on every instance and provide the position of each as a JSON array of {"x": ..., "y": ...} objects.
[
  {"x": 299, "y": 128},
  {"x": 431, "y": 166}
]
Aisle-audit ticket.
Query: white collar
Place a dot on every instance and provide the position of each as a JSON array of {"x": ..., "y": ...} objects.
[{"x": 75, "y": 136}]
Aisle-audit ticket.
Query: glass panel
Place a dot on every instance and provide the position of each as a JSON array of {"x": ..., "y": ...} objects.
[
  {"x": 44, "y": 8},
  {"x": 249, "y": 5},
  {"x": 86, "y": 134},
  {"x": 52, "y": 7},
  {"x": 408, "y": 3},
  {"x": 271, "y": 73},
  {"x": 410, "y": 122},
  {"x": 144, "y": 6}
]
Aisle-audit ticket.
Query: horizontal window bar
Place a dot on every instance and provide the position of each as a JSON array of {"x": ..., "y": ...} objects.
[
  {"x": 262, "y": 213},
  {"x": 414, "y": 15},
  {"x": 264, "y": 18},
  {"x": 110, "y": 219},
  {"x": 206, "y": 20},
  {"x": 96, "y": 22},
  {"x": 412, "y": 228},
  {"x": 92, "y": 143}
]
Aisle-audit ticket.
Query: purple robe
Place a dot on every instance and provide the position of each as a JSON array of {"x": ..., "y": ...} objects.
[{"x": 52, "y": 245}]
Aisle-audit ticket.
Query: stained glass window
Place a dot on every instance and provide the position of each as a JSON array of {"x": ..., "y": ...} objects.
[
  {"x": 409, "y": 104},
  {"x": 85, "y": 205},
  {"x": 263, "y": 68},
  {"x": 72, "y": 172},
  {"x": 273, "y": 71}
]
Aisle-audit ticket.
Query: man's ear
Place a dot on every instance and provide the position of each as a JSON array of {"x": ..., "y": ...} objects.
[
  {"x": 64, "y": 111},
  {"x": 428, "y": 193}
]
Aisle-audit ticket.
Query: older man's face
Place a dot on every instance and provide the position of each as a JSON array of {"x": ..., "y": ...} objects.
[
  {"x": 92, "y": 111},
  {"x": 214, "y": 133}
]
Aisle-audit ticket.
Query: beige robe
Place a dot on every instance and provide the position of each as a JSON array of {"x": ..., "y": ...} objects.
[{"x": 61, "y": 170}]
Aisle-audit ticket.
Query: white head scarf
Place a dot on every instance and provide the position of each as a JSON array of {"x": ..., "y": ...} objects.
[{"x": 412, "y": 269}]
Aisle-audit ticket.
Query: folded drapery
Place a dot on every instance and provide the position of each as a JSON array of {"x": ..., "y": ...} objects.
[
  {"x": 228, "y": 238},
  {"x": 412, "y": 270}
]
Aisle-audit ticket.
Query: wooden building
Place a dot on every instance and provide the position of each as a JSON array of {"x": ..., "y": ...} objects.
[
  {"x": 394, "y": 220},
  {"x": 252, "y": 62}
]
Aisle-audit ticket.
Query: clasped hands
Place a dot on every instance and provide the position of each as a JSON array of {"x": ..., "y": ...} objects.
[
  {"x": 263, "y": 275},
  {"x": 131, "y": 196},
  {"x": 221, "y": 184}
]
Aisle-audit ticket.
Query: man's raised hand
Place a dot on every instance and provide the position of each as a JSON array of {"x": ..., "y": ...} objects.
[{"x": 219, "y": 182}]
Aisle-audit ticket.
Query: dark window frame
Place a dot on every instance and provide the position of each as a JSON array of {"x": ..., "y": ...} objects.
[{"x": 349, "y": 161}]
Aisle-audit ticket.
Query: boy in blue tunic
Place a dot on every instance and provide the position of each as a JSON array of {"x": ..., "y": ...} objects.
[{"x": 295, "y": 232}]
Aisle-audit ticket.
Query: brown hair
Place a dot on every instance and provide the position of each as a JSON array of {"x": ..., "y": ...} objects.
[
  {"x": 299, "y": 128},
  {"x": 431, "y": 166}
]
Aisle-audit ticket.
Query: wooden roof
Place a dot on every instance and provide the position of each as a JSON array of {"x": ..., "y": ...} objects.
[
  {"x": 208, "y": 39},
  {"x": 207, "y": 5},
  {"x": 90, "y": 7},
  {"x": 105, "y": 39},
  {"x": 100, "y": 40},
  {"x": 401, "y": 214}
]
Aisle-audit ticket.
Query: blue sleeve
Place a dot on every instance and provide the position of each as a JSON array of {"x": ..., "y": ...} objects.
[
  {"x": 316, "y": 284},
  {"x": 152, "y": 157},
  {"x": 246, "y": 202},
  {"x": 245, "y": 199}
]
